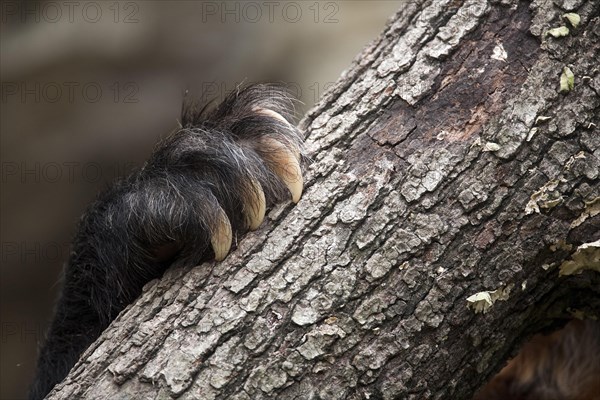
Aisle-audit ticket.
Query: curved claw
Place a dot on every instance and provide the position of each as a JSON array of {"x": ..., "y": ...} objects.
[
  {"x": 285, "y": 165},
  {"x": 255, "y": 206},
  {"x": 273, "y": 114},
  {"x": 221, "y": 236}
]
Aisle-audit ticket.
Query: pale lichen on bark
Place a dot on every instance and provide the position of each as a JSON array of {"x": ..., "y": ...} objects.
[{"x": 362, "y": 289}]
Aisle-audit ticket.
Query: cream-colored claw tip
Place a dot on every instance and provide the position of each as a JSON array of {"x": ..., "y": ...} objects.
[
  {"x": 273, "y": 114},
  {"x": 255, "y": 206},
  {"x": 296, "y": 186},
  {"x": 285, "y": 165},
  {"x": 221, "y": 236}
]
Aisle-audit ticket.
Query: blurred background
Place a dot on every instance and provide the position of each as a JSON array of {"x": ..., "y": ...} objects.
[{"x": 89, "y": 87}]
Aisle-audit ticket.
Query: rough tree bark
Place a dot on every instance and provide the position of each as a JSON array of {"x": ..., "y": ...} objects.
[{"x": 451, "y": 211}]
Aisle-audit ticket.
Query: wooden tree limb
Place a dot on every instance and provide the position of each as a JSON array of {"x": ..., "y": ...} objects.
[{"x": 452, "y": 209}]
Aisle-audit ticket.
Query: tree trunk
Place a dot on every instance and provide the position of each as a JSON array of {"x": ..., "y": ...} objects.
[{"x": 452, "y": 210}]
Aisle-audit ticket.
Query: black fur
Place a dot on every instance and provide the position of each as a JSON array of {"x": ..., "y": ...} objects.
[{"x": 162, "y": 212}]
